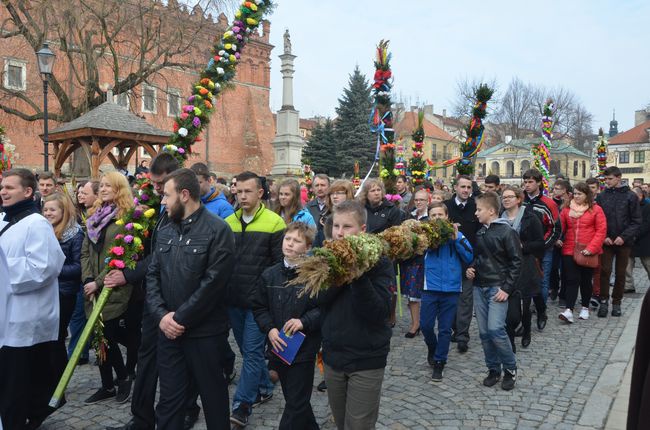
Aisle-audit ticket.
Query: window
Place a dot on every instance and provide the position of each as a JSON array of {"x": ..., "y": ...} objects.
[
  {"x": 15, "y": 77},
  {"x": 173, "y": 102},
  {"x": 575, "y": 169},
  {"x": 639, "y": 156},
  {"x": 584, "y": 169},
  {"x": 122, "y": 99},
  {"x": 495, "y": 168},
  {"x": 149, "y": 99},
  {"x": 624, "y": 157}
]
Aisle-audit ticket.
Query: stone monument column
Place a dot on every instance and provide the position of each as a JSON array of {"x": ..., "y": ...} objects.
[{"x": 288, "y": 143}]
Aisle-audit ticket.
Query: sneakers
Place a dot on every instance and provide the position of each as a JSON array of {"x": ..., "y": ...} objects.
[
  {"x": 509, "y": 379},
  {"x": 438, "y": 367},
  {"x": 602, "y": 310},
  {"x": 240, "y": 415},
  {"x": 594, "y": 303},
  {"x": 101, "y": 394},
  {"x": 567, "y": 316},
  {"x": 262, "y": 398},
  {"x": 584, "y": 314},
  {"x": 123, "y": 390},
  {"x": 616, "y": 310},
  {"x": 493, "y": 377}
]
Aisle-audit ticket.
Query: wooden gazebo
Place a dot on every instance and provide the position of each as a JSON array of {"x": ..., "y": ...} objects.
[{"x": 100, "y": 131}]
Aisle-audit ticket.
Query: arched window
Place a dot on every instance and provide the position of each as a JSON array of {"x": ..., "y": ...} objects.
[
  {"x": 495, "y": 169},
  {"x": 575, "y": 169},
  {"x": 510, "y": 169},
  {"x": 483, "y": 169},
  {"x": 525, "y": 165}
]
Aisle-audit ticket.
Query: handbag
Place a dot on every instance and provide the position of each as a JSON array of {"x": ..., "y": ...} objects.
[{"x": 580, "y": 259}]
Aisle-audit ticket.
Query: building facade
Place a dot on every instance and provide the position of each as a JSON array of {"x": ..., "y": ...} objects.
[
  {"x": 630, "y": 150},
  {"x": 237, "y": 138}
]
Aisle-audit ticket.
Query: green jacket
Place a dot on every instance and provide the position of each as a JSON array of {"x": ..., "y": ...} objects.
[
  {"x": 258, "y": 245},
  {"x": 93, "y": 258}
]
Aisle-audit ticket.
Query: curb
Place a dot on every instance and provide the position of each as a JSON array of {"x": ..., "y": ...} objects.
[{"x": 599, "y": 403}]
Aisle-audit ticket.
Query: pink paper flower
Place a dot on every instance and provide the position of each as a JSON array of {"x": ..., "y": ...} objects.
[
  {"x": 117, "y": 250},
  {"x": 129, "y": 226}
]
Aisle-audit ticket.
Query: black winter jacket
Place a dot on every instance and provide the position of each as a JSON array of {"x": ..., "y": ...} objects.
[
  {"x": 383, "y": 216},
  {"x": 276, "y": 303},
  {"x": 531, "y": 235},
  {"x": 465, "y": 216},
  {"x": 258, "y": 246},
  {"x": 70, "y": 276},
  {"x": 642, "y": 245},
  {"x": 497, "y": 256},
  {"x": 621, "y": 207},
  {"x": 356, "y": 330},
  {"x": 189, "y": 271}
]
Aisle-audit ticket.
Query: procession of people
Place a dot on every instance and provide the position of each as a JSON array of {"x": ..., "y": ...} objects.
[{"x": 221, "y": 259}]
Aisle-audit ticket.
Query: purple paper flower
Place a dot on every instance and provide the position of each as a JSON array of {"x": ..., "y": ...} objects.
[
  {"x": 129, "y": 226},
  {"x": 137, "y": 213},
  {"x": 136, "y": 201},
  {"x": 181, "y": 151},
  {"x": 128, "y": 238},
  {"x": 196, "y": 122},
  {"x": 134, "y": 257},
  {"x": 144, "y": 198},
  {"x": 188, "y": 108},
  {"x": 190, "y": 99},
  {"x": 240, "y": 37},
  {"x": 237, "y": 55},
  {"x": 236, "y": 29}
]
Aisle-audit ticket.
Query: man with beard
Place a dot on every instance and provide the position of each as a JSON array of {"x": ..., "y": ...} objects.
[{"x": 187, "y": 299}]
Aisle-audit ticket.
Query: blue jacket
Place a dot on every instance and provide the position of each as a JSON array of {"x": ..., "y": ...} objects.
[
  {"x": 443, "y": 270},
  {"x": 218, "y": 204},
  {"x": 304, "y": 216},
  {"x": 70, "y": 276}
]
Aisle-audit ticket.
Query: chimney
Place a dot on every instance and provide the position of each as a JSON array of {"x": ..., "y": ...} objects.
[
  {"x": 508, "y": 139},
  {"x": 428, "y": 109},
  {"x": 444, "y": 113}
]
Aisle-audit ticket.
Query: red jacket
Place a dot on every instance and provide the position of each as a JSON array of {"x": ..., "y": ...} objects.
[{"x": 591, "y": 229}]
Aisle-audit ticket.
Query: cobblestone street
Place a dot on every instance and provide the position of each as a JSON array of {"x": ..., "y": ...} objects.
[{"x": 557, "y": 375}]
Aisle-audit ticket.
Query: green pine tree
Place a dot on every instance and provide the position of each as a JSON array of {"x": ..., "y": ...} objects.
[
  {"x": 320, "y": 150},
  {"x": 354, "y": 140}
]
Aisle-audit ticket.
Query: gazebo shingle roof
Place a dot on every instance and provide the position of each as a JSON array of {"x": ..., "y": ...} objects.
[{"x": 112, "y": 117}]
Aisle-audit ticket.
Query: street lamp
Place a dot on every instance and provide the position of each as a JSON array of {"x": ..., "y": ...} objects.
[{"x": 46, "y": 59}]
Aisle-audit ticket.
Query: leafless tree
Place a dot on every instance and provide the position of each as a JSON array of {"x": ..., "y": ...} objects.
[
  {"x": 133, "y": 39},
  {"x": 463, "y": 102},
  {"x": 516, "y": 110}
]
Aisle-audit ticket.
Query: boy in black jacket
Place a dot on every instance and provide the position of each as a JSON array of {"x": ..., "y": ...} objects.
[
  {"x": 496, "y": 268},
  {"x": 280, "y": 307},
  {"x": 356, "y": 332}
]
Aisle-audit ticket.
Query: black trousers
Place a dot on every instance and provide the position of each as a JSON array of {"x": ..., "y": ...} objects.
[
  {"x": 114, "y": 360},
  {"x": 576, "y": 277},
  {"x": 28, "y": 377},
  {"x": 133, "y": 322},
  {"x": 297, "y": 383},
  {"x": 181, "y": 360},
  {"x": 146, "y": 379},
  {"x": 66, "y": 308},
  {"x": 518, "y": 312}
]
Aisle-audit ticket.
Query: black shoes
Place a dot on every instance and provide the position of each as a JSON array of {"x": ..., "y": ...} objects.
[
  {"x": 509, "y": 379},
  {"x": 190, "y": 419},
  {"x": 525, "y": 339},
  {"x": 240, "y": 415},
  {"x": 462, "y": 347},
  {"x": 262, "y": 398},
  {"x": 101, "y": 394},
  {"x": 411, "y": 335},
  {"x": 322, "y": 387},
  {"x": 123, "y": 390},
  {"x": 493, "y": 377},
  {"x": 603, "y": 309},
  {"x": 541, "y": 320},
  {"x": 552, "y": 294},
  {"x": 438, "y": 367},
  {"x": 616, "y": 310}
]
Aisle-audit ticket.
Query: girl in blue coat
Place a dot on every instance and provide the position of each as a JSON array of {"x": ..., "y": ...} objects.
[{"x": 443, "y": 268}]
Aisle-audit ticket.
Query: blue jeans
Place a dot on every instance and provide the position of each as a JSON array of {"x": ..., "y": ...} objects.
[
  {"x": 77, "y": 324},
  {"x": 547, "y": 268},
  {"x": 254, "y": 375},
  {"x": 441, "y": 307},
  {"x": 491, "y": 320}
]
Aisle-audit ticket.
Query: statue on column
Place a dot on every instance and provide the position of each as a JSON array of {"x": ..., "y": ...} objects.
[{"x": 287, "y": 42}]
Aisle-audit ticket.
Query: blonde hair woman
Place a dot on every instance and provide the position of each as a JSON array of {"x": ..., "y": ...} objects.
[{"x": 113, "y": 202}]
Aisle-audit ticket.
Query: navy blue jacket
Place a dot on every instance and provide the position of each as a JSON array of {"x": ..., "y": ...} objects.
[{"x": 70, "y": 276}]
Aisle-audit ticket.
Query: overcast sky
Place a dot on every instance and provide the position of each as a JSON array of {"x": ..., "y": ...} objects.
[{"x": 598, "y": 49}]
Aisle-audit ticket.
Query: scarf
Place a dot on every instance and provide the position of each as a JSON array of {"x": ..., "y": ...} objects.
[
  {"x": 27, "y": 207},
  {"x": 70, "y": 232},
  {"x": 100, "y": 219},
  {"x": 576, "y": 210}
]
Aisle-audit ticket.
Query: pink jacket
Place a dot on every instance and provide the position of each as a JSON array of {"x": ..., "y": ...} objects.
[{"x": 590, "y": 229}]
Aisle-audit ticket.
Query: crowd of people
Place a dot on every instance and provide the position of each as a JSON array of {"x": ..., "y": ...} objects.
[{"x": 221, "y": 259}]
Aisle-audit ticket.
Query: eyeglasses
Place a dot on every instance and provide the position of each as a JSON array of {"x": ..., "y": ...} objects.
[
  {"x": 233, "y": 184},
  {"x": 508, "y": 197}
]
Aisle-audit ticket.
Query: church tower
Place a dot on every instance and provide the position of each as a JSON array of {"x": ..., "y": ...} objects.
[{"x": 613, "y": 125}]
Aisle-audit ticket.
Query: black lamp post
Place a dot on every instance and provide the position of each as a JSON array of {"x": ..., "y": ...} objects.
[{"x": 45, "y": 65}]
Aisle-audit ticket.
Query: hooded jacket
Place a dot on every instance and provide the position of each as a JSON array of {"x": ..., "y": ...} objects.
[
  {"x": 217, "y": 204},
  {"x": 621, "y": 208},
  {"x": 497, "y": 256},
  {"x": 443, "y": 267}
]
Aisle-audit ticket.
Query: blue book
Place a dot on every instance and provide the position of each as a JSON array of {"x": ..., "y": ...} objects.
[{"x": 293, "y": 345}]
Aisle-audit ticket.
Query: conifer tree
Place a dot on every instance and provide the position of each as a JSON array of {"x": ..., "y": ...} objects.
[
  {"x": 354, "y": 140},
  {"x": 320, "y": 151}
]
